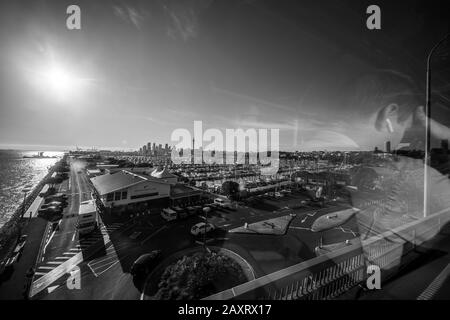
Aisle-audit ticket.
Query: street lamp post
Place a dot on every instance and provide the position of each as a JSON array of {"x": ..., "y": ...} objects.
[
  {"x": 25, "y": 192},
  {"x": 205, "y": 211},
  {"x": 427, "y": 161}
]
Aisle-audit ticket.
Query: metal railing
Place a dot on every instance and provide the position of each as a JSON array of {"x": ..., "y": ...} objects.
[{"x": 333, "y": 274}]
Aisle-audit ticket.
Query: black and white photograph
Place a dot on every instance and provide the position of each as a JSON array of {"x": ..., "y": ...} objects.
[{"x": 209, "y": 150}]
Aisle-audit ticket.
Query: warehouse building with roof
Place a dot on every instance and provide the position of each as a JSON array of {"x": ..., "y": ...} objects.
[{"x": 129, "y": 191}]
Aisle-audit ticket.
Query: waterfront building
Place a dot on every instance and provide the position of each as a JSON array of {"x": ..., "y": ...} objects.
[{"x": 128, "y": 191}]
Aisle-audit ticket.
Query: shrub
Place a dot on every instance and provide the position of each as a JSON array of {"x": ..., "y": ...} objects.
[{"x": 197, "y": 276}]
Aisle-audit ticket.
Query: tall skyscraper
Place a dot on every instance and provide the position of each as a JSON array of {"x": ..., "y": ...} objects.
[{"x": 388, "y": 146}]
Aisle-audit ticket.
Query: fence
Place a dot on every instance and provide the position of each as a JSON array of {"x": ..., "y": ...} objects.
[{"x": 331, "y": 275}]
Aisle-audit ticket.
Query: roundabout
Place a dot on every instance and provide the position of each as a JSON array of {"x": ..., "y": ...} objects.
[{"x": 195, "y": 274}]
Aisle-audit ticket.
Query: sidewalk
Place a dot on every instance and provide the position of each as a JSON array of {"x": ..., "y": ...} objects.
[
  {"x": 421, "y": 276},
  {"x": 12, "y": 287},
  {"x": 12, "y": 283}
]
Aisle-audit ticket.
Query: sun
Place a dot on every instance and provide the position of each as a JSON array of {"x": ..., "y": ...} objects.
[{"x": 59, "y": 80}]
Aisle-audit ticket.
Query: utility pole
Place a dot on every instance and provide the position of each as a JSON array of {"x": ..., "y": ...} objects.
[{"x": 427, "y": 159}]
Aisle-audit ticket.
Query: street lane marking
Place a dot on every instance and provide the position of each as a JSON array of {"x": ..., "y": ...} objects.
[
  {"x": 109, "y": 257},
  {"x": 103, "y": 271},
  {"x": 62, "y": 258},
  {"x": 55, "y": 262},
  {"x": 51, "y": 289},
  {"x": 43, "y": 282},
  {"x": 300, "y": 228},
  {"x": 346, "y": 230},
  {"x": 46, "y": 268},
  {"x": 86, "y": 243},
  {"x": 154, "y": 233}
]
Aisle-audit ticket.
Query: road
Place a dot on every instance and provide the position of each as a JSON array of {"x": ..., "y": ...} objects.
[{"x": 63, "y": 250}]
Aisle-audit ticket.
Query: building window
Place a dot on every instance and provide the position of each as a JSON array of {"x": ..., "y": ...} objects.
[
  {"x": 110, "y": 197},
  {"x": 139, "y": 196},
  {"x": 124, "y": 195},
  {"x": 117, "y": 196}
]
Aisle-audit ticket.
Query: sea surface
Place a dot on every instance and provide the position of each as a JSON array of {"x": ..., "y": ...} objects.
[{"x": 18, "y": 173}]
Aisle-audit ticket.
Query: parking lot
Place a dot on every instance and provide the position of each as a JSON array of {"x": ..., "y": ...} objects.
[{"x": 143, "y": 233}]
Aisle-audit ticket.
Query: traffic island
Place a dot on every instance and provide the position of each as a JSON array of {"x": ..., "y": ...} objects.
[
  {"x": 275, "y": 226},
  {"x": 333, "y": 220}
]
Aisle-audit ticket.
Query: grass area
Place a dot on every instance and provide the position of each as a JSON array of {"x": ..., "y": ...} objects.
[{"x": 275, "y": 226}]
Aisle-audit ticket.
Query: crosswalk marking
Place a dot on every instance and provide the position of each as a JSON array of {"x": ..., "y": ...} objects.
[{"x": 97, "y": 266}]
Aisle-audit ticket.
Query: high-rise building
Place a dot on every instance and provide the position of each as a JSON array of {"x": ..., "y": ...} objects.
[
  {"x": 388, "y": 146},
  {"x": 144, "y": 150},
  {"x": 149, "y": 146}
]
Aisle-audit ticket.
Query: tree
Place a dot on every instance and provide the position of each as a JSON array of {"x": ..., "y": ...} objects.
[{"x": 230, "y": 189}]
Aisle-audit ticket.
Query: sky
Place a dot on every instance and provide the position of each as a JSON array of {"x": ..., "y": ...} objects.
[{"x": 137, "y": 70}]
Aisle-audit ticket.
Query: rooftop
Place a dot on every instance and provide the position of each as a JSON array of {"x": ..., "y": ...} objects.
[{"x": 108, "y": 183}]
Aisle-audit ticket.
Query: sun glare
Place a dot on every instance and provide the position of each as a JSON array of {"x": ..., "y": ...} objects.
[{"x": 59, "y": 80}]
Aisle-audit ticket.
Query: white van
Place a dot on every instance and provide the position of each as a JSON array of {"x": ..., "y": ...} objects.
[
  {"x": 87, "y": 217},
  {"x": 224, "y": 203},
  {"x": 168, "y": 214}
]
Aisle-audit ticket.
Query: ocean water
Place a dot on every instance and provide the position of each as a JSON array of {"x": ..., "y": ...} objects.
[{"x": 16, "y": 173}]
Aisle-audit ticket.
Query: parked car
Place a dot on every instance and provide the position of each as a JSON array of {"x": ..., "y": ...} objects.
[
  {"x": 168, "y": 214},
  {"x": 181, "y": 213},
  {"x": 58, "y": 197},
  {"x": 144, "y": 264},
  {"x": 201, "y": 228},
  {"x": 54, "y": 204},
  {"x": 20, "y": 244},
  {"x": 15, "y": 255},
  {"x": 51, "y": 209}
]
